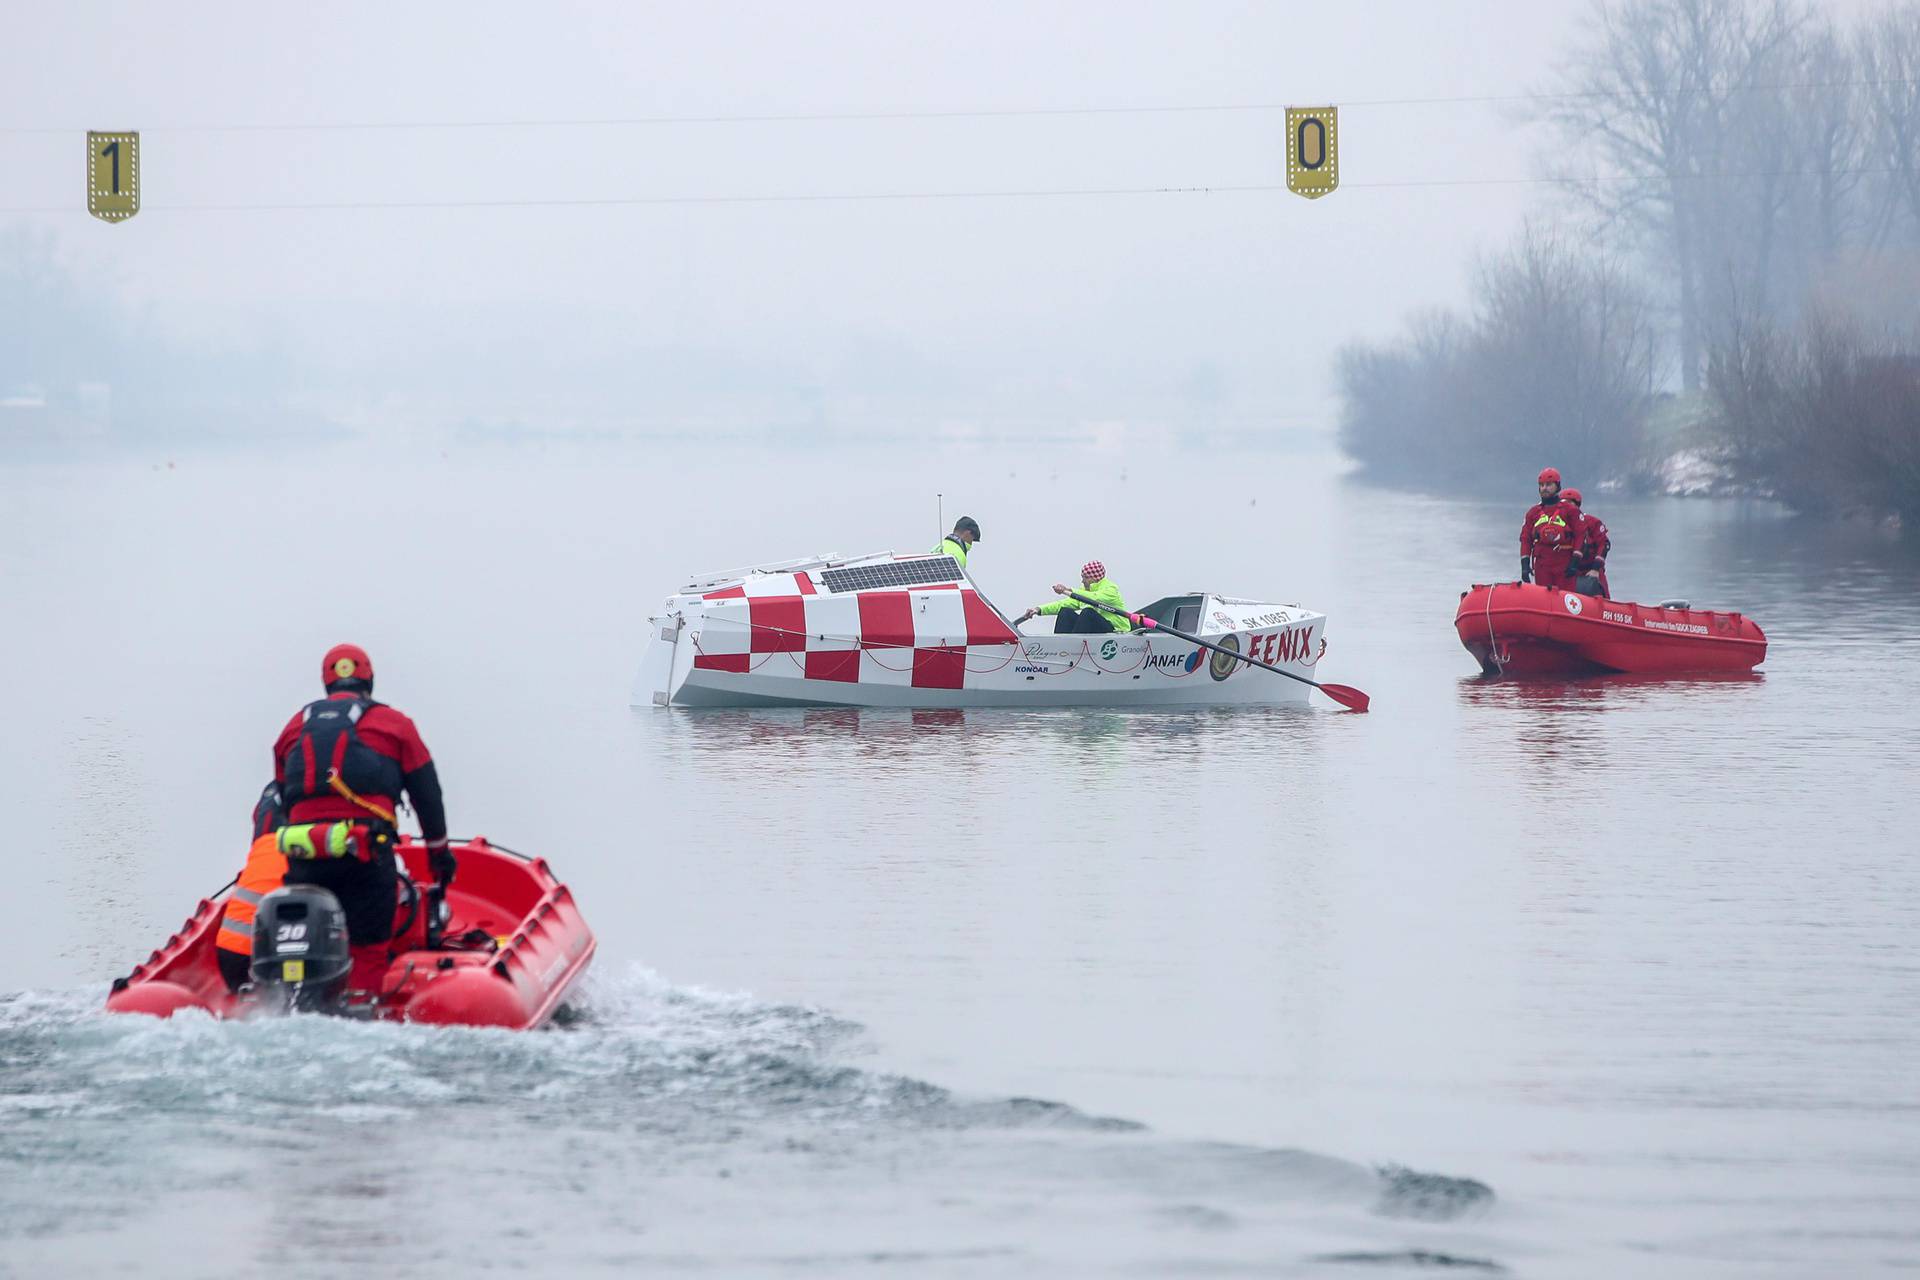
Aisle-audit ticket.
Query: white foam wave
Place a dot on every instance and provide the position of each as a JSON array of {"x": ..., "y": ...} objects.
[{"x": 653, "y": 1084}]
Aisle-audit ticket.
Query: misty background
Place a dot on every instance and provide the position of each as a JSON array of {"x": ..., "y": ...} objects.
[
  {"x": 1068, "y": 315},
  {"x": 1672, "y": 244},
  {"x": 1724, "y": 295}
]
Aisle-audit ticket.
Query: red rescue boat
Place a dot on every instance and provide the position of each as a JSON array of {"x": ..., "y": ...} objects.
[
  {"x": 1515, "y": 628},
  {"x": 512, "y": 946}
]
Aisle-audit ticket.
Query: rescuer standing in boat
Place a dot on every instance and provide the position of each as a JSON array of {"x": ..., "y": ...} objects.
[
  {"x": 342, "y": 763},
  {"x": 266, "y": 870},
  {"x": 1591, "y": 543},
  {"x": 1547, "y": 535},
  {"x": 966, "y": 532},
  {"x": 1071, "y": 618}
]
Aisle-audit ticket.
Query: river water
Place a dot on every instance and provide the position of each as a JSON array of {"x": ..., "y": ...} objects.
[{"x": 1568, "y": 979}]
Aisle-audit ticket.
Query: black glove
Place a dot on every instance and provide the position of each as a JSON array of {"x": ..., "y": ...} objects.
[
  {"x": 443, "y": 864},
  {"x": 1526, "y": 568}
]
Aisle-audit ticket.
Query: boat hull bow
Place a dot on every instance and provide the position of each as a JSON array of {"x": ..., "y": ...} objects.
[
  {"x": 1521, "y": 629},
  {"x": 914, "y": 631}
]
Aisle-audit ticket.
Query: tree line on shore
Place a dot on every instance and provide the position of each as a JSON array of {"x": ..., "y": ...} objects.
[{"x": 1731, "y": 268}]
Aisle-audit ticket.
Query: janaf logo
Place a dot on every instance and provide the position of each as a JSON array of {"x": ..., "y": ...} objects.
[
  {"x": 1223, "y": 664},
  {"x": 1169, "y": 661},
  {"x": 1110, "y": 648}
]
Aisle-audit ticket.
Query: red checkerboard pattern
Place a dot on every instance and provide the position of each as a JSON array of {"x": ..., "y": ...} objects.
[{"x": 913, "y": 636}]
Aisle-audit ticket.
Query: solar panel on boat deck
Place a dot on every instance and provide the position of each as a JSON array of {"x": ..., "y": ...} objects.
[{"x": 893, "y": 573}]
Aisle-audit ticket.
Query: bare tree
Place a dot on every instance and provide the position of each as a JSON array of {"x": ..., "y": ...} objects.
[
  {"x": 1565, "y": 347},
  {"x": 1648, "y": 106},
  {"x": 1763, "y": 164},
  {"x": 1796, "y": 206},
  {"x": 1745, "y": 385},
  {"x": 1824, "y": 130},
  {"x": 1558, "y": 358},
  {"x": 1887, "y": 52},
  {"x": 1824, "y": 414}
]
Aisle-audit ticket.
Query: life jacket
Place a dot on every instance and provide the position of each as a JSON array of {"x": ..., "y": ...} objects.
[
  {"x": 329, "y": 759},
  {"x": 951, "y": 546},
  {"x": 1552, "y": 529},
  {"x": 266, "y": 870}
]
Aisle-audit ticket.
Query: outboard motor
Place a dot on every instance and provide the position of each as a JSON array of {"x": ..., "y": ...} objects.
[{"x": 301, "y": 957}]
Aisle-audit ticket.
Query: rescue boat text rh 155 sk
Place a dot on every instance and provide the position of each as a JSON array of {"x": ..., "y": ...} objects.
[{"x": 1523, "y": 629}]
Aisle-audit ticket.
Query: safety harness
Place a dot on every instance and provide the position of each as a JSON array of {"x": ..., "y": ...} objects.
[{"x": 329, "y": 732}]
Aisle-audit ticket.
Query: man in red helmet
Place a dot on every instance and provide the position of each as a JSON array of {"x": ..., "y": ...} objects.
[
  {"x": 1588, "y": 569},
  {"x": 342, "y": 764},
  {"x": 1547, "y": 535}
]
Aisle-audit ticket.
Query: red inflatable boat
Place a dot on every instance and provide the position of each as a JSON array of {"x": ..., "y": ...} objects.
[
  {"x": 1514, "y": 628},
  {"x": 513, "y": 943}
]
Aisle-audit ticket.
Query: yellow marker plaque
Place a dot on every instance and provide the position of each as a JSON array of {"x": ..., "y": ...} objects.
[
  {"x": 113, "y": 175},
  {"x": 1313, "y": 151},
  {"x": 290, "y": 970}
]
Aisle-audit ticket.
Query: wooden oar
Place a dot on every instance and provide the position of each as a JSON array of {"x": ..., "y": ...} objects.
[{"x": 1345, "y": 695}]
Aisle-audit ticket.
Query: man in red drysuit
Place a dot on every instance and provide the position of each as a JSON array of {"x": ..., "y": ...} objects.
[
  {"x": 342, "y": 764},
  {"x": 1591, "y": 544},
  {"x": 1548, "y": 535}
]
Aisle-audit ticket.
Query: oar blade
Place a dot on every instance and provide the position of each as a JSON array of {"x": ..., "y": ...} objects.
[{"x": 1346, "y": 696}]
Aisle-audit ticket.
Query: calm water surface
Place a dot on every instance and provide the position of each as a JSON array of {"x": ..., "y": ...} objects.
[{"x": 1568, "y": 979}]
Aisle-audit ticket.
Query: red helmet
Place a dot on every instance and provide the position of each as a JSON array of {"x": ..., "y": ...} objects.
[
  {"x": 346, "y": 662},
  {"x": 1570, "y": 495},
  {"x": 1092, "y": 571},
  {"x": 1551, "y": 473}
]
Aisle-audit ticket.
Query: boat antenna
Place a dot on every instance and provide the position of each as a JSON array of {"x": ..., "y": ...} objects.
[{"x": 940, "y": 514}]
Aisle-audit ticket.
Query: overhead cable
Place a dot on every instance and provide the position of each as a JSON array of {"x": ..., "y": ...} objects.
[
  {"x": 971, "y": 113},
  {"x": 883, "y": 196}
]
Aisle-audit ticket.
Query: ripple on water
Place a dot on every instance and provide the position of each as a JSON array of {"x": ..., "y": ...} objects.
[{"x": 652, "y": 1087}]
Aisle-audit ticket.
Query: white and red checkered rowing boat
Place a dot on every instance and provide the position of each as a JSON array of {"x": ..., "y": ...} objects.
[{"x": 892, "y": 630}]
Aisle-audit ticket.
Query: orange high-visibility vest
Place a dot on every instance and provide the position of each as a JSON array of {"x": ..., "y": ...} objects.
[{"x": 266, "y": 870}]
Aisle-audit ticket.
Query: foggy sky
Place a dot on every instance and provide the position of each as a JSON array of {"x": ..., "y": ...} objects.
[{"x": 920, "y": 313}]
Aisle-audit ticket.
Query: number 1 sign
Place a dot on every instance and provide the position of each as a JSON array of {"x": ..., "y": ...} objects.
[{"x": 113, "y": 175}]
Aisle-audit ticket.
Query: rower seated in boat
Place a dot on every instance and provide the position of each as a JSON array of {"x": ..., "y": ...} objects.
[{"x": 1071, "y": 618}]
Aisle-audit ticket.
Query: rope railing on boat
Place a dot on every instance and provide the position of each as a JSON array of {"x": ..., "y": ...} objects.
[{"x": 860, "y": 644}]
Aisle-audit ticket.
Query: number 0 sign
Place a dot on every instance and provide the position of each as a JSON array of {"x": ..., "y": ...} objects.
[
  {"x": 113, "y": 175},
  {"x": 1313, "y": 151}
]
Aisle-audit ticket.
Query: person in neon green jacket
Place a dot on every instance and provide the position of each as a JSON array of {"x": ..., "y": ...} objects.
[
  {"x": 966, "y": 532},
  {"x": 1073, "y": 617}
]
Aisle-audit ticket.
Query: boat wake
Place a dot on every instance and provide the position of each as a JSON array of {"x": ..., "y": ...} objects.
[{"x": 663, "y": 1125}]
